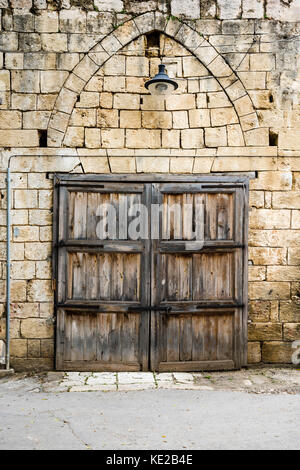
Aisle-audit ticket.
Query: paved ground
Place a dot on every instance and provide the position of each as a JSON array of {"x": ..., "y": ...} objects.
[{"x": 256, "y": 409}]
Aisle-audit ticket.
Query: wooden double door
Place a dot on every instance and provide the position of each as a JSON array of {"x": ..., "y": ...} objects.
[{"x": 143, "y": 286}]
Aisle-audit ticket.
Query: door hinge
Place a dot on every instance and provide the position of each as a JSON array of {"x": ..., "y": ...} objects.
[{"x": 54, "y": 284}]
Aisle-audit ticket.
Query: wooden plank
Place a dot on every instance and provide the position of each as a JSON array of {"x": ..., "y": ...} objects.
[{"x": 194, "y": 366}]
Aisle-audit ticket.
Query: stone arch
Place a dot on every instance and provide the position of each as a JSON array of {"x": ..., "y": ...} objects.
[{"x": 121, "y": 37}]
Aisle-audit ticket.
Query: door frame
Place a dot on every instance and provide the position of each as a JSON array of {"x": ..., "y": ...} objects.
[{"x": 223, "y": 180}]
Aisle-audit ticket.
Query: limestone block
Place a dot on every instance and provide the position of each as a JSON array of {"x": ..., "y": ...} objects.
[
  {"x": 114, "y": 84},
  {"x": 253, "y": 9},
  {"x": 34, "y": 349},
  {"x": 135, "y": 84},
  {"x": 294, "y": 256},
  {"x": 187, "y": 9},
  {"x": 273, "y": 180},
  {"x": 181, "y": 102},
  {"x": 257, "y": 137},
  {"x": 59, "y": 121},
  {"x": 14, "y": 60},
  {"x": 235, "y": 135},
  {"x": 86, "y": 68},
  {"x": 206, "y": 53},
  {"x": 170, "y": 139},
  {"x": 189, "y": 37},
  {"x": 229, "y": 10},
  {"x": 25, "y": 81},
  {"x": 95, "y": 164},
  {"x": 92, "y": 138},
  {"x": 45, "y": 199},
  {"x": 52, "y": 80},
  {"x": 37, "y": 251},
  {"x": 156, "y": 120},
  {"x": 25, "y": 233},
  {"x": 269, "y": 290},
  {"x": 115, "y": 65},
  {"x": 152, "y": 164},
  {"x": 146, "y": 22},
  {"x": 100, "y": 22},
  {"x": 254, "y": 353},
  {"x": 262, "y": 62},
  {"x": 10, "y": 120},
  {"x": 152, "y": 103},
  {"x": 8, "y": 41},
  {"x": 47, "y": 22},
  {"x": 18, "y": 348},
  {"x": 265, "y": 331},
  {"x": 95, "y": 84},
  {"x": 143, "y": 138},
  {"x": 181, "y": 165},
  {"x": 219, "y": 68},
  {"x": 256, "y": 273},
  {"x": 74, "y": 137},
  {"x": 126, "y": 33},
  {"x": 277, "y": 352},
  {"x": 192, "y": 138},
  {"x": 67, "y": 61},
  {"x": 82, "y": 43},
  {"x": 283, "y": 273},
  {"x": 66, "y": 100},
  {"x": 109, "y": 5},
  {"x": 137, "y": 66},
  {"x": 36, "y": 119},
  {"x": 126, "y": 101},
  {"x": 37, "y": 327},
  {"x": 112, "y": 138},
  {"x": 54, "y": 42},
  {"x": 289, "y": 199},
  {"x": 192, "y": 67},
  {"x": 4, "y": 80},
  {"x": 47, "y": 348},
  {"x": 249, "y": 122},
  {"x": 106, "y": 100},
  {"x": 109, "y": 118},
  {"x": 289, "y": 139},
  {"x": 46, "y": 234},
  {"x": 296, "y": 219},
  {"x": 129, "y": 119},
  {"x": 25, "y": 198},
  {"x": 122, "y": 164},
  {"x": 269, "y": 219},
  {"x": 72, "y": 21},
  {"x": 218, "y": 100},
  {"x": 181, "y": 120},
  {"x": 274, "y": 238},
  {"x": 111, "y": 44},
  {"x": 290, "y": 311},
  {"x": 257, "y": 199},
  {"x": 83, "y": 117},
  {"x": 23, "y": 269},
  {"x": 267, "y": 256},
  {"x": 215, "y": 137},
  {"x": 44, "y": 102},
  {"x": 199, "y": 117},
  {"x": 221, "y": 117},
  {"x": 40, "y": 217}
]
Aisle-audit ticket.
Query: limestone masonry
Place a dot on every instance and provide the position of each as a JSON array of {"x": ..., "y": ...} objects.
[{"x": 72, "y": 95}]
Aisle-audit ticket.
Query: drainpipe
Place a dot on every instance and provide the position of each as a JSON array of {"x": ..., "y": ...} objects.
[{"x": 8, "y": 266}]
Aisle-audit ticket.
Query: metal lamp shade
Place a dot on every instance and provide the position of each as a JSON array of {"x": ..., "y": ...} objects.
[{"x": 161, "y": 84}]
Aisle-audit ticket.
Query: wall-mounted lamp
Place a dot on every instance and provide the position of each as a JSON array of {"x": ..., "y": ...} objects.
[{"x": 161, "y": 84}]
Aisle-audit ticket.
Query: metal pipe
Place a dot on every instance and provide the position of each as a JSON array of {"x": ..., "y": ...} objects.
[{"x": 8, "y": 220}]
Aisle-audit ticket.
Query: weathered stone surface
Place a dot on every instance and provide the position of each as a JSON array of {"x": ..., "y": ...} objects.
[
  {"x": 269, "y": 290},
  {"x": 254, "y": 353},
  {"x": 277, "y": 352},
  {"x": 264, "y": 331},
  {"x": 37, "y": 328}
]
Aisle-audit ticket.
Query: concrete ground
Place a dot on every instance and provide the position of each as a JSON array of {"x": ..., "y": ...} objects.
[{"x": 248, "y": 409}]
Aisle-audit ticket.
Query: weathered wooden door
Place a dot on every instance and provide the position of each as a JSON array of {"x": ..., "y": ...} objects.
[
  {"x": 204, "y": 285},
  {"x": 162, "y": 300},
  {"x": 103, "y": 284}
]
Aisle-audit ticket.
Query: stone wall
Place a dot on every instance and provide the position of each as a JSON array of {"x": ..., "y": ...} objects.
[{"x": 72, "y": 96}]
